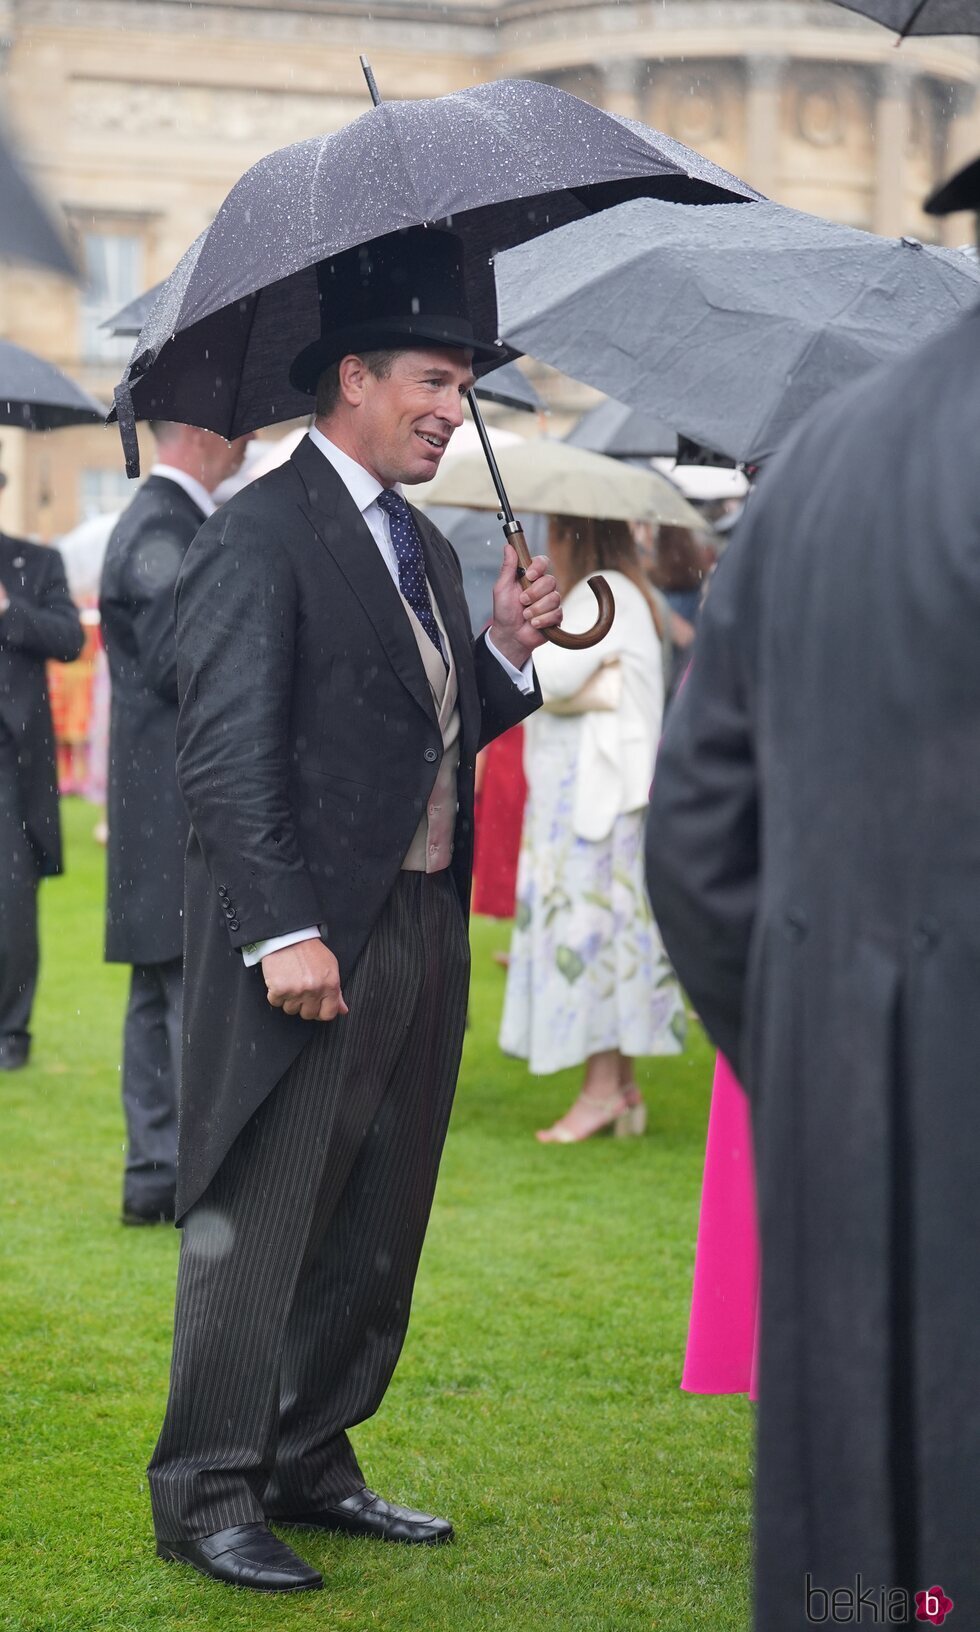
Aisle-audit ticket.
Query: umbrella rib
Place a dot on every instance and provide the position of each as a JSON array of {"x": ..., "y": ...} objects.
[{"x": 241, "y": 372}]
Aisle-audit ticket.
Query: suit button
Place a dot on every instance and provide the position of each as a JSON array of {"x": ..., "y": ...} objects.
[
  {"x": 230, "y": 912},
  {"x": 234, "y": 924},
  {"x": 430, "y": 756}
]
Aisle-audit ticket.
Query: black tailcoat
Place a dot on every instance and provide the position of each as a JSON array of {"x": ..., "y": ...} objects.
[
  {"x": 147, "y": 820},
  {"x": 40, "y": 623},
  {"x": 814, "y": 865},
  {"x": 307, "y": 749}
]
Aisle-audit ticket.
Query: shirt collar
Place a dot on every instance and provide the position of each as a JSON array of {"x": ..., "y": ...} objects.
[
  {"x": 360, "y": 484},
  {"x": 192, "y": 487}
]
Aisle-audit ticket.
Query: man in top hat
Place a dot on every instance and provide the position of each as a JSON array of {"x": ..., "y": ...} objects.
[
  {"x": 333, "y": 703},
  {"x": 38, "y": 621},
  {"x": 814, "y": 866}
]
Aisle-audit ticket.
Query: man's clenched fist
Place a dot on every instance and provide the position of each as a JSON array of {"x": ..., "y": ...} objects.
[{"x": 304, "y": 979}]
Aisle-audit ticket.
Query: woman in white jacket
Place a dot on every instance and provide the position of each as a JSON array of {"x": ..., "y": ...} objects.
[{"x": 588, "y": 980}]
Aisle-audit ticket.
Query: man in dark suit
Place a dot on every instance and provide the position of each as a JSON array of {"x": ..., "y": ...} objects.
[
  {"x": 333, "y": 702},
  {"x": 37, "y": 621},
  {"x": 814, "y": 865},
  {"x": 146, "y": 817}
]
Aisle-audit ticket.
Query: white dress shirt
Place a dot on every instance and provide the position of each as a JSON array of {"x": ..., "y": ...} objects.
[
  {"x": 192, "y": 487},
  {"x": 364, "y": 489}
]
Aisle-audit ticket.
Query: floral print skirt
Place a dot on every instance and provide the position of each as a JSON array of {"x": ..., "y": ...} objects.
[{"x": 588, "y": 970}]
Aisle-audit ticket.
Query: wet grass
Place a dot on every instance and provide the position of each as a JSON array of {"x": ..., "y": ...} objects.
[{"x": 536, "y": 1402}]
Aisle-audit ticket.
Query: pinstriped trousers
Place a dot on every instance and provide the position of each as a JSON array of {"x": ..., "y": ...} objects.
[{"x": 298, "y": 1262}]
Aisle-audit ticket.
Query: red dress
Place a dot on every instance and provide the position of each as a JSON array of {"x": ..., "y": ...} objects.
[{"x": 498, "y": 820}]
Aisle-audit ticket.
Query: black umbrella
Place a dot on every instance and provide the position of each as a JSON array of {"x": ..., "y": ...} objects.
[
  {"x": 920, "y": 16},
  {"x": 38, "y": 397},
  {"x": 27, "y": 232},
  {"x": 727, "y": 323},
  {"x": 505, "y": 385},
  {"x": 502, "y": 162}
]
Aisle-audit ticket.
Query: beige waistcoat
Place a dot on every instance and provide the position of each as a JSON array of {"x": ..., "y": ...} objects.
[{"x": 431, "y": 850}]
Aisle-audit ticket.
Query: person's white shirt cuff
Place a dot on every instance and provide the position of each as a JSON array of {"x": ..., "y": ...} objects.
[
  {"x": 522, "y": 678},
  {"x": 257, "y": 950}
]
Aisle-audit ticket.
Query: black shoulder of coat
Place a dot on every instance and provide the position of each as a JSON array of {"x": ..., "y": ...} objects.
[
  {"x": 160, "y": 505},
  {"x": 37, "y": 554}
]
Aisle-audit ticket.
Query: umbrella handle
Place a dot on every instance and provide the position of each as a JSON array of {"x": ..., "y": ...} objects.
[{"x": 600, "y": 589}]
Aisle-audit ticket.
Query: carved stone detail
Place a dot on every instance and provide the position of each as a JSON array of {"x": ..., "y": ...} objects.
[
  {"x": 818, "y": 113},
  {"x": 204, "y": 112}
]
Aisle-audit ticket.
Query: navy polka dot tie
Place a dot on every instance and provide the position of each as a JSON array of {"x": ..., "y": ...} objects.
[{"x": 411, "y": 563}]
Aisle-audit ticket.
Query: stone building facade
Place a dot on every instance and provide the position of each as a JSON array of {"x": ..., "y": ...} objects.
[{"x": 138, "y": 115}]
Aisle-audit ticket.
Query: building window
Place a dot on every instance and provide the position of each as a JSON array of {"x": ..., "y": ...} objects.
[
  {"x": 103, "y": 491},
  {"x": 114, "y": 267}
]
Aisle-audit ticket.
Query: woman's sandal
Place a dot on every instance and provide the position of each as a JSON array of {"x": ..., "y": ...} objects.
[{"x": 623, "y": 1114}]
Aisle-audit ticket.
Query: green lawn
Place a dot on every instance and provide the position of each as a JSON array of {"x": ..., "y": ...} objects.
[{"x": 537, "y": 1402}]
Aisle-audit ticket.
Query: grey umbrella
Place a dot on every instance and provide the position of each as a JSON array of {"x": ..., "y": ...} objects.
[
  {"x": 623, "y": 433},
  {"x": 27, "y": 232},
  {"x": 920, "y": 16},
  {"x": 508, "y": 387},
  {"x": 130, "y": 318},
  {"x": 38, "y": 397},
  {"x": 501, "y": 163},
  {"x": 728, "y": 323}
]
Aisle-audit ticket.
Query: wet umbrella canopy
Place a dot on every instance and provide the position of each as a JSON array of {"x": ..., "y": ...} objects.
[
  {"x": 501, "y": 163},
  {"x": 27, "y": 232},
  {"x": 920, "y": 16},
  {"x": 623, "y": 433},
  {"x": 38, "y": 397},
  {"x": 728, "y": 323}
]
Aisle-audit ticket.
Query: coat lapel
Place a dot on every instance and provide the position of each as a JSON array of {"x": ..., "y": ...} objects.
[{"x": 340, "y": 526}]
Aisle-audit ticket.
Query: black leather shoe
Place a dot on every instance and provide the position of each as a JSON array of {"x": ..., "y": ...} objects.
[
  {"x": 366, "y": 1514},
  {"x": 247, "y": 1555},
  {"x": 15, "y": 1049}
]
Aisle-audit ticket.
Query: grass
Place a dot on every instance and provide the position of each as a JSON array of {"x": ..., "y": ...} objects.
[{"x": 536, "y": 1403}]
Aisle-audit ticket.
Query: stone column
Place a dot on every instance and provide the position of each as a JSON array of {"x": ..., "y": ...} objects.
[
  {"x": 764, "y": 76},
  {"x": 962, "y": 144},
  {"x": 891, "y": 140},
  {"x": 621, "y": 86}
]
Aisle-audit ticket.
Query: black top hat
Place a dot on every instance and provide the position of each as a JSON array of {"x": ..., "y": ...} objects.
[
  {"x": 402, "y": 291},
  {"x": 960, "y": 192}
]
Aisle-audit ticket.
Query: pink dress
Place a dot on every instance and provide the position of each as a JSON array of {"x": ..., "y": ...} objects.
[{"x": 721, "y": 1338}]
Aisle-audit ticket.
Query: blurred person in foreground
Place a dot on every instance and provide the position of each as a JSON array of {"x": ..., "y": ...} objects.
[
  {"x": 588, "y": 981},
  {"x": 333, "y": 700},
  {"x": 146, "y": 819},
  {"x": 815, "y": 865},
  {"x": 38, "y": 621}
]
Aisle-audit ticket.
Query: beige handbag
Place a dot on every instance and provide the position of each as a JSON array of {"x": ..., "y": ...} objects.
[{"x": 601, "y": 693}]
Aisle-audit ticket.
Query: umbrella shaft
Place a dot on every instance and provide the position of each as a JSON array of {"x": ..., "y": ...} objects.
[
  {"x": 372, "y": 83},
  {"x": 508, "y": 514}
]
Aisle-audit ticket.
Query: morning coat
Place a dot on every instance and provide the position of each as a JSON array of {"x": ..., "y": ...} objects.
[
  {"x": 814, "y": 865},
  {"x": 146, "y": 817},
  {"x": 308, "y": 745},
  {"x": 41, "y": 622}
]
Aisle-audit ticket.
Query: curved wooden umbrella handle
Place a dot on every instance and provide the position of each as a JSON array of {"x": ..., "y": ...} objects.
[{"x": 598, "y": 586}]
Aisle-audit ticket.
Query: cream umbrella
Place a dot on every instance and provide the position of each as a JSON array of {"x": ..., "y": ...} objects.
[{"x": 550, "y": 478}]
